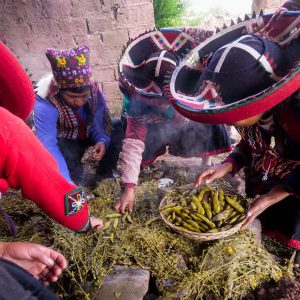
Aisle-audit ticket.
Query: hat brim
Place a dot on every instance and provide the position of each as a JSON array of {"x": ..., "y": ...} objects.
[
  {"x": 192, "y": 105},
  {"x": 16, "y": 90},
  {"x": 243, "y": 109}
]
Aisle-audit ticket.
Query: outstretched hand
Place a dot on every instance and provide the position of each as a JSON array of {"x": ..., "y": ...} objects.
[
  {"x": 125, "y": 201},
  {"x": 43, "y": 263},
  {"x": 96, "y": 223},
  {"x": 261, "y": 203},
  {"x": 212, "y": 173},
  {"x": 98, "y": 151}
]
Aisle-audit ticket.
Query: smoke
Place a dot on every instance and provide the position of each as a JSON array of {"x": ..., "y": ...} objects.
[{"x": 184, "y": 138}]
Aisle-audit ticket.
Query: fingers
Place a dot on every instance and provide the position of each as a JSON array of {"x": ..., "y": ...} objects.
[
  {"x": 251, "y": 215},
  {"x": 96, "y": 223},
  {"x": 44, "y": 282},
  {"x": 98, "y": 151},
  {"x": 198, "y": 181},
  {"x": 130, "y": 206},
  {"x": 212, "y": 175},
  {"x": 126, "y": 201},
  {"x": 249, "y": 220},
  {"x": 117, "y": 206},
  {"x": 56, "y": 261},
  {"x": 47, "y": 276},
  {"x": 59, "y": 260},
  {"x": 98, "y": 156},
  {"x": 50, "y": 262},
  {"x": 204, "y": 176},
  {"x": 42, "y": 254},
  {"x": 123, "y": 207}
]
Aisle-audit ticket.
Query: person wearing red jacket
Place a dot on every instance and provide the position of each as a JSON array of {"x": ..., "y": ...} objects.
[{"x": 26, "y": 165}]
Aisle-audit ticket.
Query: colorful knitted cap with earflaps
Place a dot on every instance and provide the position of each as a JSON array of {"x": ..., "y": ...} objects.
[{"x": 71, "y": 68}]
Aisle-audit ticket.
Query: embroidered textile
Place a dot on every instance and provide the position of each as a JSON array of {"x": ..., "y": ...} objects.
[
  {"x": 71, "y": 68},
  {"x": 265, "y": 159},
  {"x": 74, "y": 201}
]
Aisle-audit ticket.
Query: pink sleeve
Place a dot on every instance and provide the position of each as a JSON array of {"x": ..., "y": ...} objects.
[
  {"x": 132, "y": 150},
  {"x": 135, "y": 129}
]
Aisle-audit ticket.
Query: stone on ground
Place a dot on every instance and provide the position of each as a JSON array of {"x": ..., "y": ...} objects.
[{"x": 124, "y": 284}]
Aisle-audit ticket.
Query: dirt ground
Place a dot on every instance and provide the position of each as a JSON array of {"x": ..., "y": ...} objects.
[
  {"x": 287, "y": 288},
  {"x": 185, "y": 170}
]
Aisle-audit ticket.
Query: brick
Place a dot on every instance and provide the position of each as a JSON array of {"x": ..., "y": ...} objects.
[
  {"x": 32, "y": 26},
  {"x": 99, "y": 23},
  {"x": 104, "y": 75},
  {"x": 79, "y": 7},
  {"x": 108, "y": 56},
  {"x": 267, "y": 6},
  {"x": 111, "y": 91},
  {"x": 116, "y": 38}
]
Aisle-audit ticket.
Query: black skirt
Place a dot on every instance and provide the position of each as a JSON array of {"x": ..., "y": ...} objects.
[{"x": 189, "y": 140}]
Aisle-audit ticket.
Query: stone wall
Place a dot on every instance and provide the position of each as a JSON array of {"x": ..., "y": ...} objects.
[
  {"x": 31, "y": 26},
  {"x": 267, "y": 6}
]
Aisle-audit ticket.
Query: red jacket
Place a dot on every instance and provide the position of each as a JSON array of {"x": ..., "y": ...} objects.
[{"x": 25, "y": 164}]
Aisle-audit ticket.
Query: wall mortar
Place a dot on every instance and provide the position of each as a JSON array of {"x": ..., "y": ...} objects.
[{"x": 32, "y": 26}]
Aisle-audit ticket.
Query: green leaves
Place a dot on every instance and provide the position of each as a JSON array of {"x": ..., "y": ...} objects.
[{"x": 169, "y": 13}]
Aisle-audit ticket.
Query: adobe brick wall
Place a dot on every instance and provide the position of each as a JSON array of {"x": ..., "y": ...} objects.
[
  {"x": 267, "y": 6},
  {"x": 31, "y": 26}
]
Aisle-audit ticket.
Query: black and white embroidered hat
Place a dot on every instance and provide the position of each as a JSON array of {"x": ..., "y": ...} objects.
[{"x": 238, "y": 72}]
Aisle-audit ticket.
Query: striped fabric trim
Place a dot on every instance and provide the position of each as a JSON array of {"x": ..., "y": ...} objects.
[
  {"x": 163, "y": 44},
  {"x": 194, "y": 103},
  {"x": 68, "y": 126},
  {"x": 86, "y": 227},
  {"x": 164, "y": 59},
  {"x": 290, "y": 32},
  {"x": 158, "y": 66},
  {"x": 228, "y": 47},
  {"x": 67, "y": 122}
]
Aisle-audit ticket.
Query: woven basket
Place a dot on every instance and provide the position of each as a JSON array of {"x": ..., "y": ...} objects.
[{"x": 205, "y": 236}]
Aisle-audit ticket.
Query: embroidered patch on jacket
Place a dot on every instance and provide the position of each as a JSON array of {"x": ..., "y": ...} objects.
[{"x": 74, "y": 201}]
